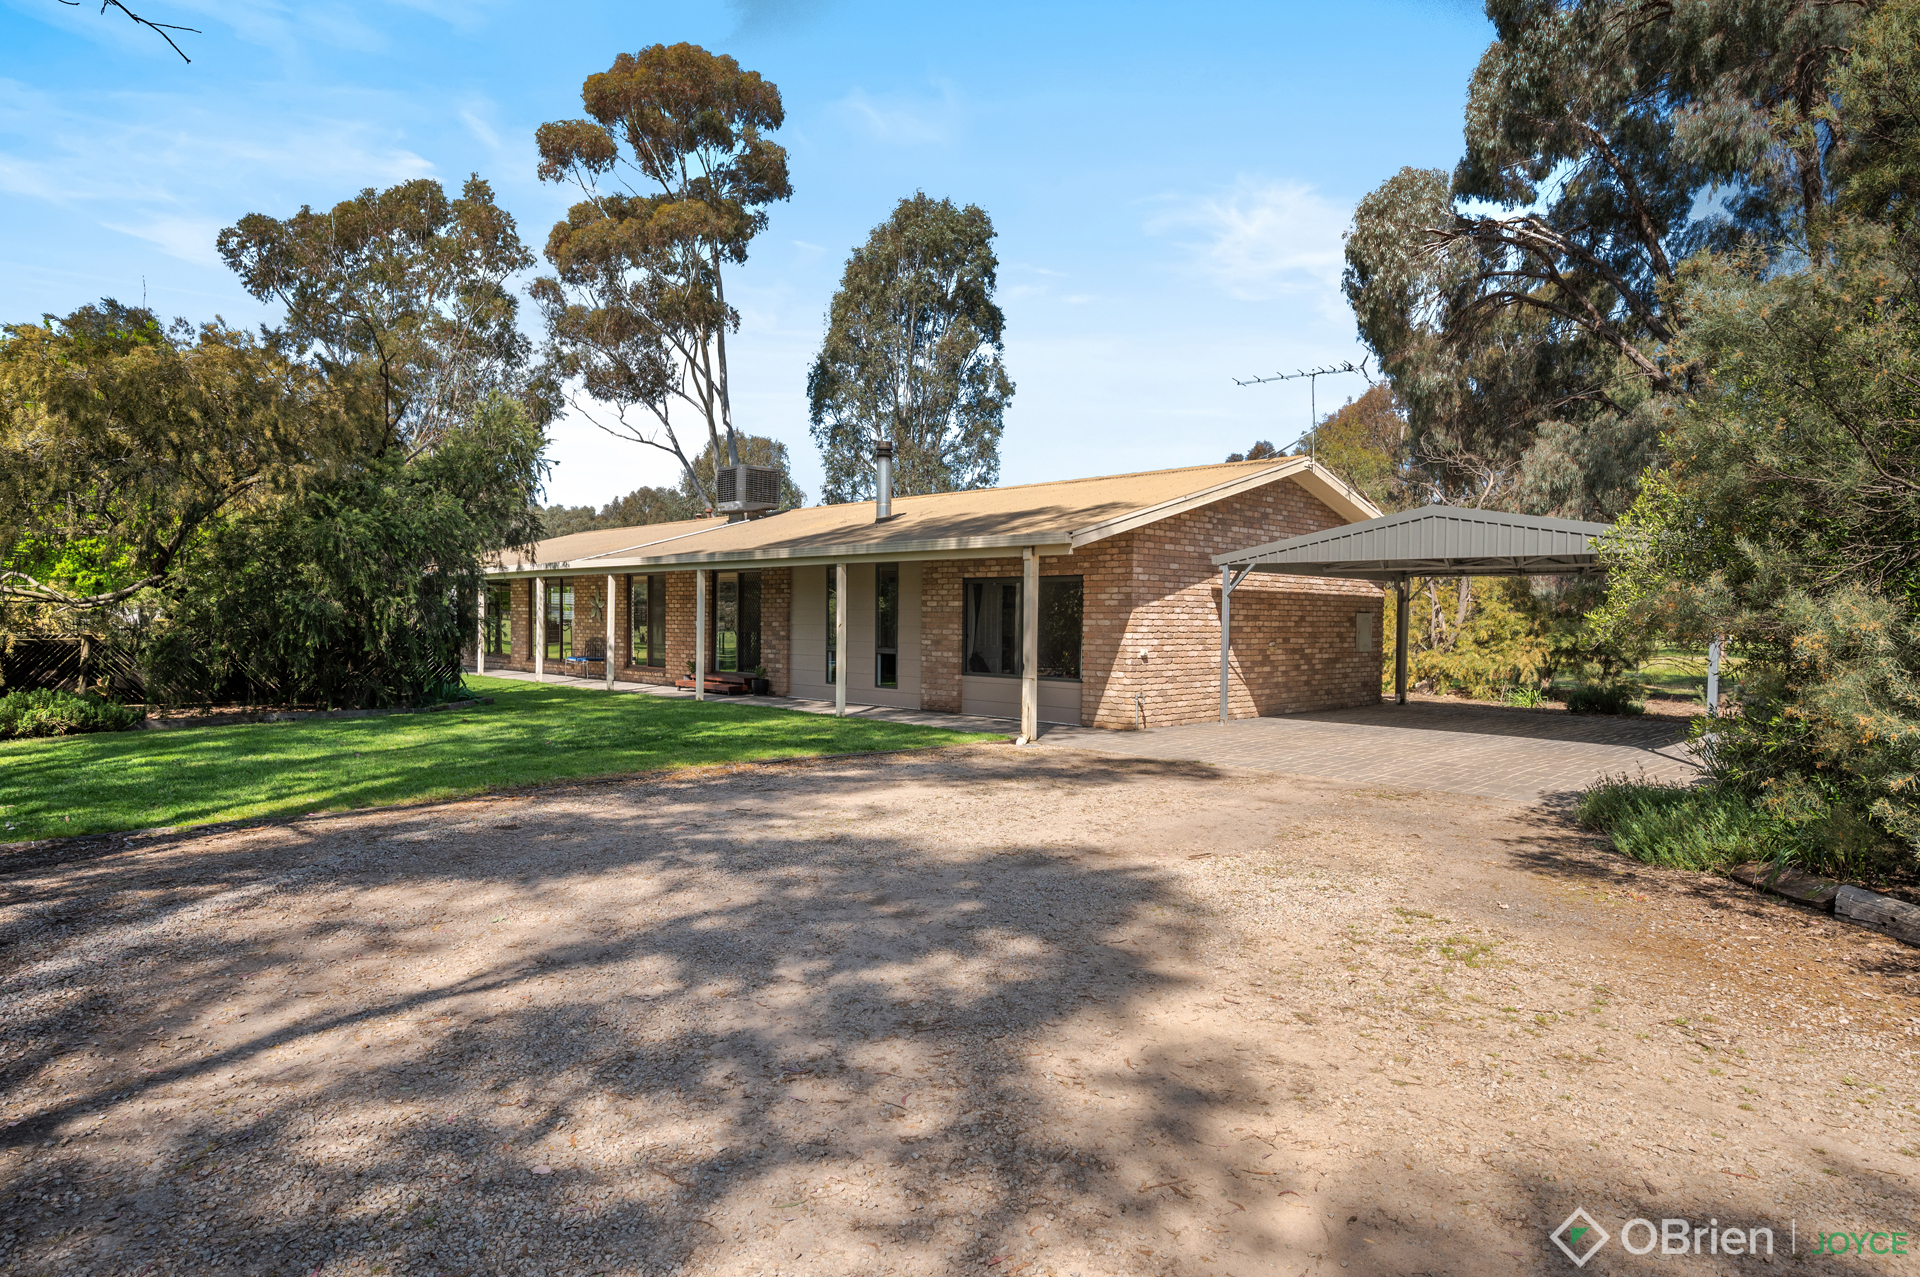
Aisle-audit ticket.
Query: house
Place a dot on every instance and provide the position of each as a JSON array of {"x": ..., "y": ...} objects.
[{"x": 1091, "y": 601}]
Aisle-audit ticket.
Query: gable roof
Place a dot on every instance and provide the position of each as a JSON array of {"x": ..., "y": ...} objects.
[
  {"x": 1058, "y": 517},
  {"x": 1433, "y": 541}
]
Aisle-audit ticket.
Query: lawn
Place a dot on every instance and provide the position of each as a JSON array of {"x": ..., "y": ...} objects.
[{"x": 530, "y": 734}]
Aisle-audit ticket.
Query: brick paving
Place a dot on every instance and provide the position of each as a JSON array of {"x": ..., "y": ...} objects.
[{"x": 1518, "y": 755}]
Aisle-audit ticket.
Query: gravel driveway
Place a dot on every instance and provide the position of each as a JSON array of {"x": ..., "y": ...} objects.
[{"x": 979, "y": 1010}]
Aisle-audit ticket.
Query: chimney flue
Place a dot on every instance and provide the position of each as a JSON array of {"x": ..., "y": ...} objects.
[{"x": 883, "y": 481}]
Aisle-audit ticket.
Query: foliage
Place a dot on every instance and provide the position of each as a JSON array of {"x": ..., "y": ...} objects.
[
  {"x": 404, "y": 288},
  {"x": 533, "y": 733},
  {"x": 1364, "y": 442},
  {"x": 1878, "y": 131},
  {"x": 51, "y": 712},
  {"x": 121, "y": 443},
  {"x": 1261, "y": 450},
  {"x": 676, "y": 172},
  {"x": 1788, "y": 519},
  {"x": 641, "y": 506},
  {"x": 359, "y": 588},
  {"x": 912, "y": 353},
  {"x": 1679, "y": 826},
  {"x": 1602, "y": 698}
]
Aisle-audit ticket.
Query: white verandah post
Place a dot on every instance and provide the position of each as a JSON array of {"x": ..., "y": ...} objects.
[
  {"x": 480, "y": 632},
  {"x": 1029, "y": 645},
  {"x": 539, "y": 627},
  {"x": 609, "y": 661},
  {"x": 699, "y": 635},
  {"x": 840, "y": 640},
  {"x": 1226, "y": 640},
  {"x": 1713, "y": 675}
]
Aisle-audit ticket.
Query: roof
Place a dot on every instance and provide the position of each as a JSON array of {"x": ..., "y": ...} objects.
[
  {"x": 1432, "y": 541},
  {"x": 1056, "y": 517}
]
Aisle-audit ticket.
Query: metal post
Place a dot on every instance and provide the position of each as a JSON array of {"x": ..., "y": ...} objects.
[
  {"x": 699, "y": 635},
  {"x": 480, "y": 634},
  {"x": 1400, "y": 611},
  {"x": 1713, "y": 675},
  {"x": 840, "y": 640},
  {"x": 1226, "y": 641},
  {"x": 1029, "y": 645},
  {"x": 539, "y": 627},
  {"x": 609, "y": 660}
]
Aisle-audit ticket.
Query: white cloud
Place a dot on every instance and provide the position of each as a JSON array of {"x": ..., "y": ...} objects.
[
  {"x": 189, "y": 239},
  {"x": 481, "y": 130},
  {"x": 1260, "y": 241},
  {"x": 902, "y": 121}
]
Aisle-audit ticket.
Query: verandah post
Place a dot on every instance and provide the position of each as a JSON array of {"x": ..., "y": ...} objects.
[
  {"x": 609, "y": 660},
  {"x": 1400, "y": 612},
  {"x": 480, "y": 632},
  {"x": 539, "y": 627},
  {"x": 1226, "y": 639},
  {"x": 699, "y": 635},
  {"x": 840, "y": 640},
  {"x": 1030, "y": 644}
]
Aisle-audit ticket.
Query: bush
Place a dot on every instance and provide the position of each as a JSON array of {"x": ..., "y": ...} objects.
[
  {"x": 1610, "y": 698},
  {"x": 1680, "y": 826},
  {"x": 47, "y": 712},
  {"x": 1525, "y": 697}
]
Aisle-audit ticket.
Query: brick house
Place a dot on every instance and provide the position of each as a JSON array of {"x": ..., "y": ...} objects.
[{"x": 1126, "y": 632}]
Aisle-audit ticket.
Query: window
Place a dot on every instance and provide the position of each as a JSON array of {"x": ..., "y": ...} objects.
[
  {"x": 1060, "y": 615},
  {"x": 992, "y": 611},
  {"x": 647, "y": 621},
  {"x": 736, "y": 621},
  {"x": 499, "y": 626},
  {"x": 559, "y": 620},
  {"x": 833, "y": 629},
  {"x": 886, "y": 625}
]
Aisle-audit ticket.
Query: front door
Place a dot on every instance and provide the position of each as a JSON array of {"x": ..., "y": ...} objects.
[{"x": 736, "y": 621}]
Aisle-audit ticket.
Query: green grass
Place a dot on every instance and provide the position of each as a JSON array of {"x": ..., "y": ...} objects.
[
  {"x": 532, "y": 733},
  {"x": 1679, "y": 826}
]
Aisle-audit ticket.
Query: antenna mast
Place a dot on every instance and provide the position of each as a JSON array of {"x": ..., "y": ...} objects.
[{"x": 1312, "y": 375}]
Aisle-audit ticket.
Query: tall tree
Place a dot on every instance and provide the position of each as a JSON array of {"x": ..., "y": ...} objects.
[
  {"x": 676, "y": 173},
  {"x": 913, "y": 354},
  {"x": 122, "y": 443},
  {"x": 404, "y": 287}
]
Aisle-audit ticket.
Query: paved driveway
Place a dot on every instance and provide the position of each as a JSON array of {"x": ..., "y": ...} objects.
[{"x": 1521, "y": 755}]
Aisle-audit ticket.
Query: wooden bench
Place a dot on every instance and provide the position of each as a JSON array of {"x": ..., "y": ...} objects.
[{"x": 721, "y": 681}]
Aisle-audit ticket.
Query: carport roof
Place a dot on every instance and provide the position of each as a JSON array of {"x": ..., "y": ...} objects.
[{"x": 1432, "y": 541}]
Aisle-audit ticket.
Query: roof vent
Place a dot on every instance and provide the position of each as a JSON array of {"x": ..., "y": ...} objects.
[{"x": 745, "y": 489}]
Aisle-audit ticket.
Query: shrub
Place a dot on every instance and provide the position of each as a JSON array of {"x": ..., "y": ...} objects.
[
  {"x": 47, "y": 712},
  {"x": 1680, "y": 826},
  {"x": 1525, "y": 697},
  {"x": 1611, "y": 698}
]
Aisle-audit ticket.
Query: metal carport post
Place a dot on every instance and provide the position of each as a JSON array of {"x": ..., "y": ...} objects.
[{"x": 1227, "y": 581}]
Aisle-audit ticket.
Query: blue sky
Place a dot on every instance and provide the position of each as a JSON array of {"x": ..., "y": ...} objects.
[{"x": 1170, "y": 182}]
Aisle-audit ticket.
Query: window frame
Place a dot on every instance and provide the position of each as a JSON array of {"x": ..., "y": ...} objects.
[
  {"x": 498, "y": 629},
  {"x": 882, "y": 650},
  {"x": 559, "y": 606},
  {"x": 1019, "y": 583},
  {"x": 833, "y": 631},
  {"x": 647, "y": 620}
]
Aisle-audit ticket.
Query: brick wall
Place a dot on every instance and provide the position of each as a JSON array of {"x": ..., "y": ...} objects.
[{"x": 1151, "y": 620}]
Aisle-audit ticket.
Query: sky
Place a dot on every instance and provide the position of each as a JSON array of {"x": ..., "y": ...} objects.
[{"x": 1169, "y": 183}]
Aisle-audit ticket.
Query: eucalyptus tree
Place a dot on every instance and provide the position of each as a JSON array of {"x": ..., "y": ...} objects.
[
  {"x": 913, "y": 353},
  {"x": 675, "y": 171},
  {"x": 404, "y": 288}
]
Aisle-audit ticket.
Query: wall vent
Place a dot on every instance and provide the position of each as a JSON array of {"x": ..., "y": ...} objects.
[{"x": 747, "y": 489}]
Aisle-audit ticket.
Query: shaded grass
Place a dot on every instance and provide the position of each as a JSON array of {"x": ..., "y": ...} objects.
[
  {"x": 531, "y": 733},
  {"x": 1678, "y": 826}
]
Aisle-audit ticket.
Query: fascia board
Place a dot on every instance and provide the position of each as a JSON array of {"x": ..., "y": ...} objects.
[{"x": 924, "y": 550}]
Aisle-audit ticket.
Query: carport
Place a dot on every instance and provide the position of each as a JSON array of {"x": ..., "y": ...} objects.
[{"x": 1429, "y": 541}]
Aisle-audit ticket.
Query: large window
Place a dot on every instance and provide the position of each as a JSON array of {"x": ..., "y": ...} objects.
[
  {"x": 886, "y": 625},
  {"x": 499, "y": 626},
  {"x": 647, "y": 620},
  {"x": 992, "y": 613},
  {"x": 559, "y": 620},
  {"x": 833, "y": 628},
  {"x": 736, "y": 621}
]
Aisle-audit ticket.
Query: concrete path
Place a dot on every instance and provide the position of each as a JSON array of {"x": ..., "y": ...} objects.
[
  {"x": 880, "y": 713},
  {"x": 1519, "y": 755}
]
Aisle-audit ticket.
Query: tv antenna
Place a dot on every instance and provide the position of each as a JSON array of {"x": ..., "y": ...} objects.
[{"x": 1312, "y": 376}]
